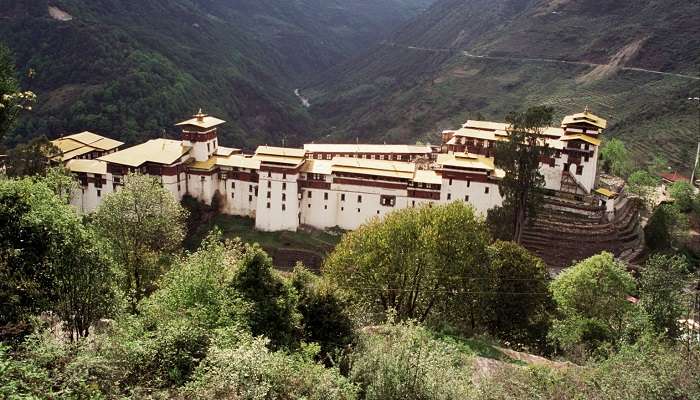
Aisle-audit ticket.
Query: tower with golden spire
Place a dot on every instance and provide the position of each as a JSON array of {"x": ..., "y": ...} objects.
[{"x": 200, "y": 133}]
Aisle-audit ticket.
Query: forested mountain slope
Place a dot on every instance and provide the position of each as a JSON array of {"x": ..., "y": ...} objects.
[
  {"x": 131, "y": 69},
  {"x": 460, "y": 58}
]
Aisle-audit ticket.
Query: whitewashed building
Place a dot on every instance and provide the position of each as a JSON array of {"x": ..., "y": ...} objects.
[{"x": 331, "y": 185}]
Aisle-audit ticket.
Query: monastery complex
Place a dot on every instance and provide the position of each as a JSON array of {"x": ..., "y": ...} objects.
[{"x": 331, "y": 185}]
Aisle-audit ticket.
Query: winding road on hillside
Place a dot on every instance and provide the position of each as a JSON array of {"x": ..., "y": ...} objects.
[{"x": 539, "y": 60}]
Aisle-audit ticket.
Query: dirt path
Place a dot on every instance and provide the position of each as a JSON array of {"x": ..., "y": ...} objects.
[{"x": 467, "y": 54}]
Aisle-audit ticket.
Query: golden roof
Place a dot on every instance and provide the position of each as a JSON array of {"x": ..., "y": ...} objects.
[
  {"x": 427, "y": 176},
  {"x": 394, "y": 169},
  {"x": 367, "y": 148},
  {"x": 160, "y": 151},
  {"x": 606, "y": 193},
  {"x": 202, "y": 120},
  {"x": 95, "y": 140},
  {"x": 238, "y": 161},
  {"x": 585, "y": 117},
  {"x": 204, "y": 165},
  {"x": 75, "y": 145},
  {"x": 476, "y": 134},
  {"x": 76, "y": 153},
  {"x": 66, "y": 145},
  {"x": 465, "y": 160},
  {"x": 87, "y": 166},
  {"x": 580, "y": 136}
]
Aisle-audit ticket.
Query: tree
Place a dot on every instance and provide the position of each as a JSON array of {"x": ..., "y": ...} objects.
[
  {"x": 616, "y": 158},
  {"x": 49, "y": 260},
  {"x": 519, "y": 157},
  {"x": 143, "y": 224},
  {"x": 324, "y": 317},
  {"x": 666, "y": 229},
  {"x": 519, "y": 304},
  {"x": 591, "y": 302},
  {"x": 683, "y": 194},
  {"x": 31, "y": 159},
  {"x": 661, "y": 285},
  {"x": 12, "y": 101},
  {"x": 415, "y": 261},
  {"x": 272, "y": 300}
]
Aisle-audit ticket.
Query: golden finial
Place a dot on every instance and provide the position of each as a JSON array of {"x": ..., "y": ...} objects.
[
  {"x": 587, "y": 110},
  {"x": 200, "y": 115}
]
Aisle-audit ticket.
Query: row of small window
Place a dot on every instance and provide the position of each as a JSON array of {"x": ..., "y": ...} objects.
[
  {"x": 449, "y": 197},
  {"x": 209, "y": 148},
  {"x": 389, "y": 157},
  {"x": 469, "y": 183},
  {"x": 487, "y": 190},
  {"x": 250, "y": 197}
]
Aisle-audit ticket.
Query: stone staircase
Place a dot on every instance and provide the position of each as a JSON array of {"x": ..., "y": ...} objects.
[{"x": 567, "y": 230}]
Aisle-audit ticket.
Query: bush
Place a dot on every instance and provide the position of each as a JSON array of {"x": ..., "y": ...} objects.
[
  {"x": 240, "y": 367},
  {"x": 404, "y": 361}
]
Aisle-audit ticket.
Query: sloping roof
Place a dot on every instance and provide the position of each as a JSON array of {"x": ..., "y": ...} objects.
[
  {"x": 674, "y": 177},
  {"x": 66, "y": 145},
  {"x": 202, "y": 121},
  {"x": 312, "y": 166},
  {"x": 580, "y": 136},
  {"x": 394, "y": 169},
  {"x": 427, "y": 176},
  {"x": 486, "y": 125},
  {"x": 238, "y": 161},
  {"x": 226, "y": 151},
  {"x": 367, "y": 148},
  {"x": 585, "y": 117},
  {"x": 87, "y": 166},
  {"x": 160, "y": 151},
  {"x": 95, "y": 140},
  {"x": 476, "y": 134},
  {"x": 204, "y": 165},
  {"x": 280, "y": 151},
  {"x": 465, "y": 160},
  {"x": 76, "y": 153}
]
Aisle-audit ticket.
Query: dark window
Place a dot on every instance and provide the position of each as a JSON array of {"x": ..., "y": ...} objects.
[
  {"x": 232, "y": 195},
  {"x": 358, "y": 210},
  {"x": 284, "y": 207},
  {"x": 269, "y": 184},
  {"x": 284, "y": 186},
  {"x": 342, "y": 208},
  {"x": 284, "y": 197},
  {"x": 309, "y": 205},
  {"x": 284, "y": 176},
  {"x": 269, "y": 174},
  {"x": 342, "y": 197},
  {"x": 308, "y": 194},
  {"x": 359, "y": 199},
  {"x": 579, "y": 170},
  {"x": 413, "y": 204},
  {"x": 486, "y": 190},
  {"x": 450, "y": 181},
  {"x": 256, "y": 190},
  {"x": 269, "y": 195},
  {"x": 250, "y": 198},
  {"x": 469, "y": 183},
  {"x": 99, "y": 193},
  {"x": 325, "y": 196},
  {"x": 325, "y": 207},
  {"x": 268, "y": 205},
  {"x": 98, "y": 181},
  {"x": 250, "y": 188},
  {"x": 387, "y": 201},
  {"x": 466, "y": 198},
  {"x": 449, "y": 196},
  {"x": 233, "y": 185}
]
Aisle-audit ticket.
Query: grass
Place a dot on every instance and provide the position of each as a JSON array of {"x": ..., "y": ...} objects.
[{"x": 286, "y": 248}]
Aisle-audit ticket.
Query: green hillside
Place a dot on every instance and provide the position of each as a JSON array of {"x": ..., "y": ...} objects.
[
  {"x": 421, "y": 81},
  {"x": 131, "y": 69}
]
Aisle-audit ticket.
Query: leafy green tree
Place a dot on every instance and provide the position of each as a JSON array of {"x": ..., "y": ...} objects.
[
  {"x": 31, "y": 159},
  {"x": 143, "y": 224},
  {"x": 520, "y": 302},
  {"x": 591, "y": 301},
  {"x": 415, "y": 261},
  {"x": 658, "y": 165},
  {"x": 519, "y": 157},
  {"x": 661, "y": 285},
  {"x": 616, "y": 158},
  {"x": 49, "y": 261},
  {"x": 684, "y": 195},
  {"x": 324, "y": 317},
  {"x": 667, "y": 229},
  {"x": 271, "y": 300}
]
